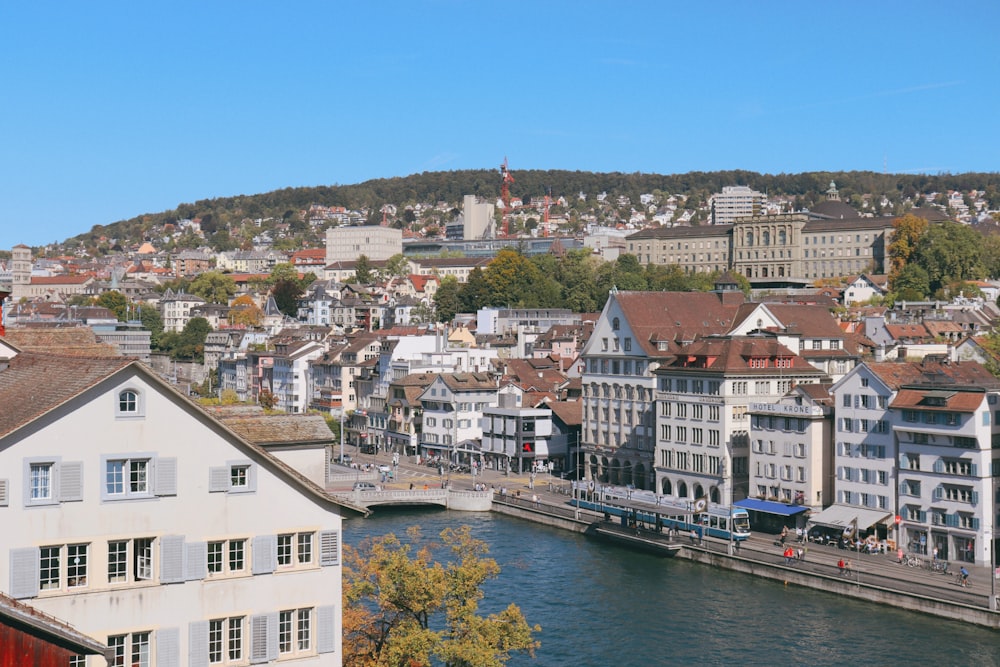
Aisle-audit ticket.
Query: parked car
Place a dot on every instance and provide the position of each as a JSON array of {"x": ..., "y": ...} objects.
[
  {"x": 346, "y": 459},
  {"x": 365, "y": 486}
]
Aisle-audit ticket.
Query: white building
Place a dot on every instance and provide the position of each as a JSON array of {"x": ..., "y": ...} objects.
[
  {"x": 477, "y": 218},
  {"x": 947, "y": 488},
  {"x": 132, "y": 514},
  {"x": 736, "y": 201},
  {"x": 519, "y": 439},
  {"x": 453, "y": 407},
  {"x": 346, "y": 244},
  {"x": 175, "y": 309},
  {"x": 702, "y": 417},
  {"x": 866, "y": 451}
]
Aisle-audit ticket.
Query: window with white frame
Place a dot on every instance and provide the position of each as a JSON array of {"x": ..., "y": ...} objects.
[
  {"x": 126, "y": 477},
  {"x": 296, "y": 549},
  {"x": 130, "y": 560},
  {"x": 234, "y": 477},
  {"x": 40, "y": 482},
  {"x": 226, "y": 557},
  {"x": 226, "y": 640},
  {"x": 132, "y": 650}
]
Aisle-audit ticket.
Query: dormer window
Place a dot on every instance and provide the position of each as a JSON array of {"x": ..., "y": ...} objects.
[
  {"x": 130, "y": 403},
  {"x": 615, "y": 324}
]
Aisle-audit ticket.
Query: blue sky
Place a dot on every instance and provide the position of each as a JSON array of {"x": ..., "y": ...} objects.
[{"x": 114, "y": 109}]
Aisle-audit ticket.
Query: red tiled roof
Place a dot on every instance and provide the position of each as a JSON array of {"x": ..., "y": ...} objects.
[
  {"x": 673, "y": 317},
  {"x": 962, "y": 401}
]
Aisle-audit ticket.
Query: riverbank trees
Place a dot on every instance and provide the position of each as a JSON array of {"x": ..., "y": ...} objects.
[{"x": 405, "y": 608}]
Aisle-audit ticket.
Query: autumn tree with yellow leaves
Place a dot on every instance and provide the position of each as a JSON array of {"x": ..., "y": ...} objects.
[{"x": 404, "y": 608}]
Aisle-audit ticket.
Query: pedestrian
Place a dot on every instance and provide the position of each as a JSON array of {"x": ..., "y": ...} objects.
[
  {"x": 694, "y": 535},
  {"x": 798, "y": 535},
  {"x": 789, "y": 555},
  {"x": 899, "y": 555},
  {"x": 840, "y": 566},
  {"x": 736, "y": 545},
  {"x": 784, "y": 534},
  {"x": 801, "y": 553},
  {"x": 534, "y": 499},
  {"x": 963, "y": 575},
  {"x": 411, "y": 486},
  {"x": 847, "y": 567},
  {"x": 934, "y": 555}
]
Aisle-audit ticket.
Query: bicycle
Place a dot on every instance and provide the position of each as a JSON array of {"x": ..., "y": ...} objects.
[
  {"x": 913, "y": 561},
  {"x": 963, "y": 580},
  {"x": 940, "y": 566}
]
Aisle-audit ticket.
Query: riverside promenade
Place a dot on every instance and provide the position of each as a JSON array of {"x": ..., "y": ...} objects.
[{"x": 876, "y": 578}]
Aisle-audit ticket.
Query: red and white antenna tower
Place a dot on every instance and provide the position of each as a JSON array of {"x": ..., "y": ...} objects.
[{"x": 505, "y": 180}]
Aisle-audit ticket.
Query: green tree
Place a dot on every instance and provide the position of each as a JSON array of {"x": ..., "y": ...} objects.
[
  {"x": 286, "y": 295},
  {"x": 151, "y": 321},
  {"x": 363, "y": 271},
  {"x": 950, "y": 252},
  {"x": 912, "y": 283},
  {"x": 282, "y": 271},
  {"x": 402, "y": 607},
  {"x": 396, "y": 266},
  {"x": 475, "y": 293},
  {"x": 447, "y": 302},
  {"x": 213, "y": 287},
  {"x": 116, "y": 302},
  {"x": 190, "y": 343}
]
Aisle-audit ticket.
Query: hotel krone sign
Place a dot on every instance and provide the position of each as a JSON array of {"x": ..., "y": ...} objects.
[{"x": 787, "y": 409}]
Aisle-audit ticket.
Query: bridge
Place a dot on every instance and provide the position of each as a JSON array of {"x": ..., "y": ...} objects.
[{"x": 456, "y": 499}]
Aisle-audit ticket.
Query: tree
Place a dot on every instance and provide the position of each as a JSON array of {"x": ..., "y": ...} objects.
[
  {"x": 396, "y": 266},
  {"x": 245, "y": 312},
  {"x": 116, "y": 302},
  {"x": 282, "y": 271},
  {"x": 151, "y": 321},
  {"x": 363, "y": 272},
  {"x": 475, "y": 293},
  {"x": 190, "y": 343},
  {"x": 950, "y": 252},
  {"x": 447, "y": 302},
  {"x": 213, "y": 287},
  {"x": 906, "y": 235},
  {"x": 286, "y": 295},
  {"x": 912, "y": 283},
  {"x": 403, "y": 608}
]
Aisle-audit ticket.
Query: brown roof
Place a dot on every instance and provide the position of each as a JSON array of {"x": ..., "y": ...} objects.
[
  {"x": 35, "y": 384},
  {"x": 570, "y": 412},
  {"x": 959, "y": 401},
  {"x": 968, "y": 373},
  {"x": 734, "y": 354},
  {"x": 808, "y": 320},
  {"x": 674, "y": 317},
  {"x": 64, "y": 341},
  {"x": 274, "y": 429},
  {"x": 901, "y": 332}
]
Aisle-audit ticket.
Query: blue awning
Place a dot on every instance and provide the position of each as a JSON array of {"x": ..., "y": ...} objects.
[{"x": 769, "y": 507}]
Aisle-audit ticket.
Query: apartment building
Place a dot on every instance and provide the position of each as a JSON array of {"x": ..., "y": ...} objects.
[
  {"x": 736, "y": 201},
  {"x": 132, "y": 514},
  {"x": 346, "y": 244},
  {"x": 453, "y": 407}
]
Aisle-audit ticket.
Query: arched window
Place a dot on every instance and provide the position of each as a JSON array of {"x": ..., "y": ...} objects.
[
  {"x": 698, "y": 491},
  {"x": 782, "y": 237},
  {"x": 767, "y": 237},
  {"x": 749, "y": 238},
  {"x": 129, "y": 403},
  {"x": 666, "y": 488},
  {"x": 713, "y": 495},
  {"x": 682, "y": 490},
  {"x": 615, "y": 324}
]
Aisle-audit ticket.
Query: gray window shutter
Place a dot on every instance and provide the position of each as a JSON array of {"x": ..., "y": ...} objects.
[
  {"x": 172, "y": 559},
  {"x": 258, "y": 639},
  {"x": 195, "y": 560},
  {"x": 168, "y": 647},
  {"x": 265, "y": 554},
  {"x": 165, "y": 477},
  {"x": 24, "y": 573},
  {"x": 272, "y": 636},
  {"x": 4, "y": 492},
  {"x": 198, "y": 644},
  {"x": 326, "y": 629},
  {"x": 218, "y": 479},
  {"x": 329, "y": 547},
  {"x": 71, "y": 481}
]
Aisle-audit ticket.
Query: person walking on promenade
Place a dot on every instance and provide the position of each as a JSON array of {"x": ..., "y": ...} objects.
[
  {"x": 799, "y": 535},
  {"x": 789, "y": 555},
  {"x": 963, "y": 577},
  {"x": 801, "y": 553},
  {"x": 847, "y": 567},
  {"x": 899, "y": 555},
  {"x": 693, "y": 535},
  {"x": 840, "y": 566},
  {"x": 784, "y": 534},
  {"x": 534, "y": 500}
]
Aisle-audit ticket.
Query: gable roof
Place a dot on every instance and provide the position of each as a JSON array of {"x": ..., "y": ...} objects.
[
  {"x": 34, "y": 385},
  {"x": 673, "y": 317}
]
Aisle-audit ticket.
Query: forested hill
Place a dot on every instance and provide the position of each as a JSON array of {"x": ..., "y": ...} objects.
[{"x": 451, "y": 186}]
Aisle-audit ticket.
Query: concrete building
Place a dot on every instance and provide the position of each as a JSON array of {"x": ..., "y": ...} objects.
[
  {"x": 520, "y": 439},
  {"x": 477, "y": 218},
  {"x": 346, "y": 244},
  {"x": 702, "y": 417},
  {"x": 453, "y": 407},
  {"x": 131, "y": 513},
  {"x": 736, "y": 201}
]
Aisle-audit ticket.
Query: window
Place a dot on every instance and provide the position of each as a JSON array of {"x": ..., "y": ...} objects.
[
  {"x": 48, "y": 568},
  {"x": 226, "y": 556},
  {"x": 40, "y": 482},
  {"x": 128, "y": 477},
  {"x": 295, "y": 548},
  {"x": 128, "y": 402},
  {"x": 303, "y": 629},
  {"x": 234, "y": 477},
  {"x": 76, "y": 565},
  {"x": 134, "y": 646},
  {"x": 225, "y": 640}
]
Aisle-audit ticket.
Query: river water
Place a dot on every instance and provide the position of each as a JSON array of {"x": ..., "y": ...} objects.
[{"x": 601, "y": 604}]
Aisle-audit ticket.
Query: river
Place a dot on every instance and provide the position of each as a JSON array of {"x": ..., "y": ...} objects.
[{"x": 600, "y": 604}]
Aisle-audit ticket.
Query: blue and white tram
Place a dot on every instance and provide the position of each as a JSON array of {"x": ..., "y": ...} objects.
[{"x": 715, "y": 520}]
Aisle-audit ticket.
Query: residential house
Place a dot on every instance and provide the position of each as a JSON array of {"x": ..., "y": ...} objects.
[
  {"x": 132, "y": 514},
  {"x": 453, "y": 407}
]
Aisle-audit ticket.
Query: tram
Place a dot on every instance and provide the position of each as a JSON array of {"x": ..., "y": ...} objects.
[{"x": 714, "y": 521}]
